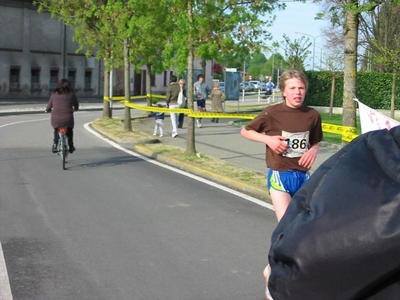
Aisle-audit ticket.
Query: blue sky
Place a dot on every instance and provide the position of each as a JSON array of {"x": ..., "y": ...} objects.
[{"x": 299, "y": 17}]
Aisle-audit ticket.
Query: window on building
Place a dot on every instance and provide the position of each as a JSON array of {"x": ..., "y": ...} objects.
[
  {"x": 165, "y": 78},
  {"x": 72, "y": 77},
  {"x": 35, "y": 79},
  {"x": 170, "y": 75},
  {"x": 153, "y": 79},
  {"x": 88, "y": 80},
  {"x": 144, "y": 80},
  {"x": 14, "y": 78},
  {"x": 53, "y": 79}
]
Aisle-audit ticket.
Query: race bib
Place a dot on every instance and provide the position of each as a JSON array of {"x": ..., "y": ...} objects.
[{"x": 297, "y": 142}]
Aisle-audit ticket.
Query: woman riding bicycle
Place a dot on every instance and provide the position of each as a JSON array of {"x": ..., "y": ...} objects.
[{"x": 62, "y": 105}]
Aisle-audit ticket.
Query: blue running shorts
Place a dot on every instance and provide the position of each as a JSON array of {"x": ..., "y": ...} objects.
[{"x": 286, "y": 181}]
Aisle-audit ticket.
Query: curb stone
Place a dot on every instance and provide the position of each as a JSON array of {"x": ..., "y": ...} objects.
[{"x": 139, "y": 145}]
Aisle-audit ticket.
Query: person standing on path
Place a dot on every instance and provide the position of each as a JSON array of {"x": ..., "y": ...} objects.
[
  {"x": 159, "y": 121},
  {"x": 217, "y": 97},
  {"x": 183, "y": 104},
  {"x": 201, "y": 91},
  {"x": 291, "y": 132},
  {"x": 172, "y": 102}
]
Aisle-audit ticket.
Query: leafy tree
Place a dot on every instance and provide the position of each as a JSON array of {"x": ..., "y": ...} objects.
[
  {"x": 257, "y": 65},
  {"x": 296, "y": 52},
  {"x": 95, "y": 28},
  {"x": 348, "y": 14},
  {"x": 383, "y": 39},
  {"x": 276, "y": 62},
  {"x": 211, "y": 28},
  {"x": 179, "y": 29},
  {"x": 148, "y": 30},
  {"x": 120, "y": 32},
  {"x": 390, "y": 58}
]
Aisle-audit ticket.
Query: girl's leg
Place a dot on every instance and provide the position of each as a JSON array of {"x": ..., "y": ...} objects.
[
  {"x": 70, "y": 136},
  {"x": 56, "y": 137},
  {"x": 155, "y": 128},
  {"x": 280, "y": 201},
  {"x": 161, "y": 128}
]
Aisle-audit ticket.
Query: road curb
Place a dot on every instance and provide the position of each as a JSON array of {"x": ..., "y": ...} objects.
[{"x": 139, "y": 146}]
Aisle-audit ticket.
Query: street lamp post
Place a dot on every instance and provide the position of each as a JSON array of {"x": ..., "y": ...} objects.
[
  {"x": 314, "y": 38},
  {"x": 320, "y": 56}
]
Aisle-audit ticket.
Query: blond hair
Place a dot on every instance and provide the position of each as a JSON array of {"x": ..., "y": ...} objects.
[{"x": 289, "y": 74}]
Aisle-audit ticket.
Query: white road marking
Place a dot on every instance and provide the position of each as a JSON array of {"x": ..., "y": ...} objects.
[
  {"x": 221, "y": 187},
  {"x": 5, "y": 289},
  {"x": 26, "y": 121}
]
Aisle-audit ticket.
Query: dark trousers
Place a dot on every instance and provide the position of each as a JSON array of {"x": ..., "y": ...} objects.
[
  {"x": 70, "y": 136},
  {"x": 180, "y": 120}
]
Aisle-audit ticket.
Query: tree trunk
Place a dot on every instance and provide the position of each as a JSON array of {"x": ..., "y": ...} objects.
[
  {"x": 148, "y": 85},
  {"x": 350, "y": 66},
  {"x": 106, "y": 104},
  {"x": 393, "y": 94},
  {"x": 127, "y": 110},
  {"x": 190, "y": 142},
  {"x": 204, "y": 67},
  {"x": 332, "y": 95}
]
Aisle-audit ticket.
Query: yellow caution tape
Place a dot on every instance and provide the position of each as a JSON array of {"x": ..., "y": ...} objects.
[{"x": 348, "y": 133}]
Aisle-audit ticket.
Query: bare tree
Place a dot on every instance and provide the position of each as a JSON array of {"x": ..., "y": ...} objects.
[
  {"x": 333, "y": 62},
  {"x": 379, "y": 28}
]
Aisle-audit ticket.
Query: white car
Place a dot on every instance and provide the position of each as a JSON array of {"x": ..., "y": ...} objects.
[{"x": 255, "y": 83}]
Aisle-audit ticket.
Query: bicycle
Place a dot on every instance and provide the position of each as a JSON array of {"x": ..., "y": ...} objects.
[{"x": 62, "y": 146}]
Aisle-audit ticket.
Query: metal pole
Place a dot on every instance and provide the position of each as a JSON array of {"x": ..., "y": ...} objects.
[
  {"x": 273, "y": 62},
  {"x": 313, "y": 56},
  {"x": 314, "y": 38},
  {"x": 244, "y": 75}
]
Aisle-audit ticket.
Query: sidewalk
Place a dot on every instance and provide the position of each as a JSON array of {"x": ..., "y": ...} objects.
[
  {"x": 223, "y": 141},
  {"x": 220, "y": 140}
]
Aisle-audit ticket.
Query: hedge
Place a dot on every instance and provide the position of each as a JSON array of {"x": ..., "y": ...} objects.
[{"x": 373, "y": 89}]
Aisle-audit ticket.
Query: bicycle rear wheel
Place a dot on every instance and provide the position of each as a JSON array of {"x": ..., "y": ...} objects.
[
  {"x": 63, "y": 152},
  {"x": 63, "y": 147}
]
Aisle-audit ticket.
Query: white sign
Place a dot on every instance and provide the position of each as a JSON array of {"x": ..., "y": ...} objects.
[
  {"x": 230, "y": 70},
  {"x": 373, "y": 120}
]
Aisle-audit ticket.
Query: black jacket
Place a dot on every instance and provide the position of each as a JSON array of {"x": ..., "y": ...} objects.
[{"x": 340, "y": 237}]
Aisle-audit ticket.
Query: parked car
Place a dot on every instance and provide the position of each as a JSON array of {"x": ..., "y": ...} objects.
[
  {"x": 256, "y": 83},
  {"x": 247, "y": 86},
  {"x": 244, "y": 87},
  {"x": 252, "y": 88}
]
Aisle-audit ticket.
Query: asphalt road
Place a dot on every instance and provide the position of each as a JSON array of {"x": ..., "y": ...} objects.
[{"x": 117, "y": 226}]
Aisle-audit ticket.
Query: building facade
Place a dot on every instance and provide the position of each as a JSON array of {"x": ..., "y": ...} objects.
[{"x": 36, "y": 51}]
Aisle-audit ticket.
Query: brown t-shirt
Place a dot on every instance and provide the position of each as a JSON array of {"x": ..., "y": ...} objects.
[{"x": 301, "y": 125}]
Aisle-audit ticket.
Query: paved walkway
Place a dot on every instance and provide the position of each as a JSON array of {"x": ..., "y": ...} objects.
[{"x": 220, "y": 140}]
